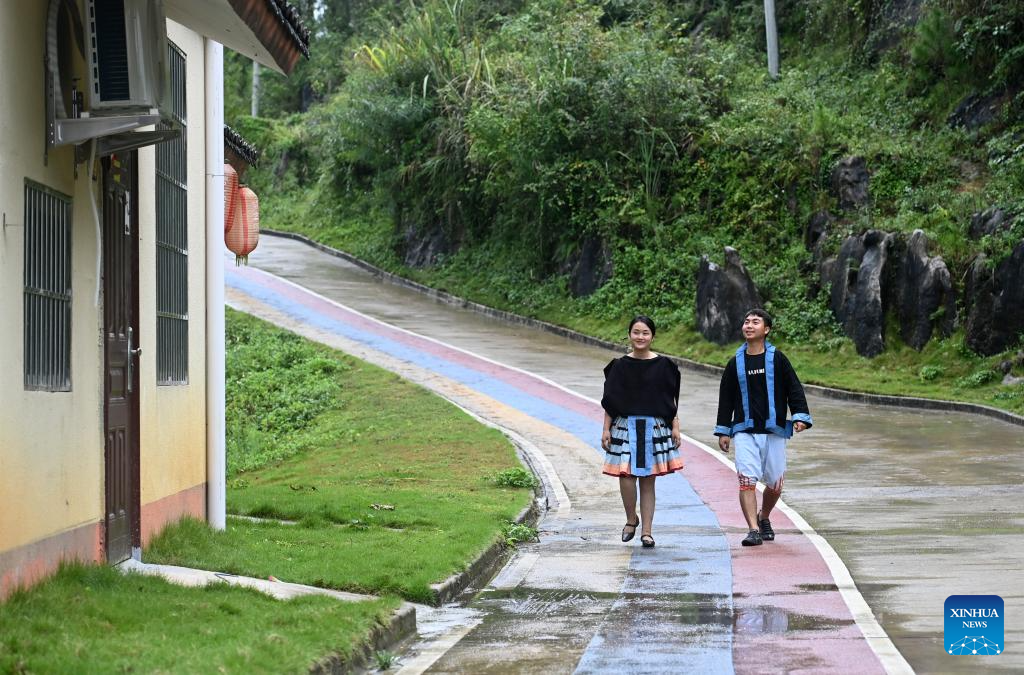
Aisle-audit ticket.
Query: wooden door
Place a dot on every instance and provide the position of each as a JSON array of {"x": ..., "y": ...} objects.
[{"x": 121, "y": 353}]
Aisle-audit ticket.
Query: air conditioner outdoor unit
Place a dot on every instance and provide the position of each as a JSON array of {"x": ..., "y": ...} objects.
[{"x": 127, "y": 55}]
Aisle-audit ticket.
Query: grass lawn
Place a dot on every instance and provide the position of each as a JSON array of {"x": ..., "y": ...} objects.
[
  {"x": 391, "y": 485},
  {"x": 93, "y": 619},
  {"x": 944, "y": 369},
  {"x": 392, "y": 488}
]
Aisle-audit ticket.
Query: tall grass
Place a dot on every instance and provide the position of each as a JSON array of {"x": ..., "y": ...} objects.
[{"x": 277, "y": 385}]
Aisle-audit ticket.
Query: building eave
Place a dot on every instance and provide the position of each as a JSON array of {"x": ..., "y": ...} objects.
[
  {"x": 269, "y": 32},
  {"x": 242, "y": 149}
]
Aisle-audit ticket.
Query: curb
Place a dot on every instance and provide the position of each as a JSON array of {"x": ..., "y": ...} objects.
[
  {"x": 486, "y": 564},
  {"x": 384, "y": 636},
  {"x": 911, "y": 402},
  {"x": 399, "y": 626}
]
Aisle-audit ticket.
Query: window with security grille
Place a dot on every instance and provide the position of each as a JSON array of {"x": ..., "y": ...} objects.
[
  {"x": 47, "y": 299},
  {"x": 172, "y": 237}
]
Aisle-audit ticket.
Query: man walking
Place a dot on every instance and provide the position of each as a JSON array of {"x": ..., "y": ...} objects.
[{"x": 758, "y": 386}]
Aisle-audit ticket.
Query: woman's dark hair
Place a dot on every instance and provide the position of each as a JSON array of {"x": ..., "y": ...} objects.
[
  {"x": 645, "y": 320},
  {"x": 765, "y": 316}
]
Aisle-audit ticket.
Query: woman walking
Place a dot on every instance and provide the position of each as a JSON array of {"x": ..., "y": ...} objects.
[{"x": 641, "y": 427}]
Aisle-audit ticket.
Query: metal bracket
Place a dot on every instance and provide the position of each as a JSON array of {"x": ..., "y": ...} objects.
[{"x": 6, "y": 224}]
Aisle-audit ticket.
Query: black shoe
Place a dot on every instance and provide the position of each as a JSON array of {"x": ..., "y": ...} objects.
[
  {"x": 753, "y": 538},
  {"x": 767, "y": 533},
  {"x": 647, "y": 541},
  {"x": 626, "y": 536}
]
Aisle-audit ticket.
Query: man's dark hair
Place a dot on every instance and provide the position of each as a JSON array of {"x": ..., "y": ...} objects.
[
  {"x": 645, "y": 320},
  {"x": 765, "y": 316}
]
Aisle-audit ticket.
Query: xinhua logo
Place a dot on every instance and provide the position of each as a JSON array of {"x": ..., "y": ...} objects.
[{"x": 974, "y": 625}]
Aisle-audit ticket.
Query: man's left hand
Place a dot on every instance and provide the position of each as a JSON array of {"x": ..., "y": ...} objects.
[{"x": 799, "y": 426}]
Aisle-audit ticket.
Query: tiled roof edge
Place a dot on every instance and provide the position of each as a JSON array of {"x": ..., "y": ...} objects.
[
  {"x": 289, "y": 17},
  {"x": 241, "y": 147}
]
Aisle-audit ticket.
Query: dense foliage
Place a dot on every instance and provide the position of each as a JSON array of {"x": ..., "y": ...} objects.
[
  {"x": 516, "y": 131},
  {"x": 277, "y": 384}
]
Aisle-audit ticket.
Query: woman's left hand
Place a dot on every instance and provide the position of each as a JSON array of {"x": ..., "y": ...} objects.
[{"x": 676, "y": 436}]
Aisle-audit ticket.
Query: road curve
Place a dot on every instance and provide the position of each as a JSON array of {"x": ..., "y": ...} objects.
[{"x": 581, "y": 600}]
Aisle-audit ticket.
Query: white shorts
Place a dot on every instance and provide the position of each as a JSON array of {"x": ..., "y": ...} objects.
[{"x": 761, "y": 457}]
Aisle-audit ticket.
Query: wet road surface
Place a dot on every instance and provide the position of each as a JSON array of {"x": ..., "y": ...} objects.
[{"x": 918, "y": 505}]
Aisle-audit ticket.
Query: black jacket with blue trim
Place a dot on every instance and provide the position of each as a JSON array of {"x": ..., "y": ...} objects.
[{"x": 784, "y": 393}]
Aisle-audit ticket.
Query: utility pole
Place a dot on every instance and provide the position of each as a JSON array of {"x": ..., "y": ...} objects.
[
  {"x": 772, "y": 35},
  {"x": 254, "y": 109}
]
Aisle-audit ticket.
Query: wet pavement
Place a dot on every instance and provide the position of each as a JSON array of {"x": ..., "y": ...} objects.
[{"x": 917, "y": 504}]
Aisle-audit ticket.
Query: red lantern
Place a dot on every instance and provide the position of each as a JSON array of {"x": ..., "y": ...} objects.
[
  {"x": 243, "y": 235},
  {"x": 230, "y": 189}
]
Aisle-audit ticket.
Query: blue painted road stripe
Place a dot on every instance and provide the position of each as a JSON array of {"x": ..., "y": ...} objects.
[{"x": 676, "y": 600}]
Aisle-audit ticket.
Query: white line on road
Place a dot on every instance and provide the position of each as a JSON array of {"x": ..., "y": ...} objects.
[{"x": 874, "y": 634}]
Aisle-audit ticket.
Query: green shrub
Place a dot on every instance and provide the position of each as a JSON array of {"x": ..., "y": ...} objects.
[
  {"x": 514, "y": 533},
  {"x": 929, "y": 373},
  {"x": 523, "y": 130},
  {"x": 1011, "y": 394},
  {"x": 384, "y": 659},
  {"x": 517, "y": 477},
  {"x": 977, "y": 378},
  {"x": 933, "y": 52}
]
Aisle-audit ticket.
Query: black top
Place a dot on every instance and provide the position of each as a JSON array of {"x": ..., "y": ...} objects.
[
  {"x": 757, "y": 383},
  {"x": 788, "y": 393},
  {"x": 641, "y": 387}
]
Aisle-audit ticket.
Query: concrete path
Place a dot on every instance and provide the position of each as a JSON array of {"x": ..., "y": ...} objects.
[
  {"x": 920, "y": 505},
  {"x": 581, "y": 600},
  {"x": 189, "y": 576}
]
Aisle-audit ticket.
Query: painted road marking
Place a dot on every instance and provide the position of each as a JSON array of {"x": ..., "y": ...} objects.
[
  {"x": 578, "y": 424},
  {"x": 554, "y": 405}
]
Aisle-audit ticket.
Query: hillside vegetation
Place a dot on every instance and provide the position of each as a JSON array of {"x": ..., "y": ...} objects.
[{"x": 492, "y": 148}]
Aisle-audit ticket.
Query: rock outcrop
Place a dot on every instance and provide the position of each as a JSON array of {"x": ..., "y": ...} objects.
[
  {"x": 425, "y": 248},
  {"x": 817, "y": 229},
  {"x": 924, "y": 296},
  {"x": 995, "y": 299},
  {"x": 875, "y": 273},
  {"x": 724, "y": 294},
  {"x": 590, "y": 267},
  {"x": 860, "y": 280},
  {"x": 850, "y": 183},
  {"x": 987, "y": 222},
  {"x": 975, "y": 111}
]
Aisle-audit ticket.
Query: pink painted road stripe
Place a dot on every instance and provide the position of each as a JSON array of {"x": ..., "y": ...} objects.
[
  {"x": 786, "y": 580},
  {"x": 788, "y": 574},
  {"x": 525, "y": 382}
]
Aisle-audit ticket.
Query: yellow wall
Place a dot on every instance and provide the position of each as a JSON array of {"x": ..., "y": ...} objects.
[
  {"x": 173, "y": 418},
  {"x": 51, "y": 444}
]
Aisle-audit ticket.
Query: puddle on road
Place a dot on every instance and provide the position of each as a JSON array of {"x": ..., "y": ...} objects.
[
  {"x": 690, "y": 609},
  {"x": 767, "y": 619}
]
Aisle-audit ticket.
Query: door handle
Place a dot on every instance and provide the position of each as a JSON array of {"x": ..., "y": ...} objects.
[{"x": 132, "y": 353}]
